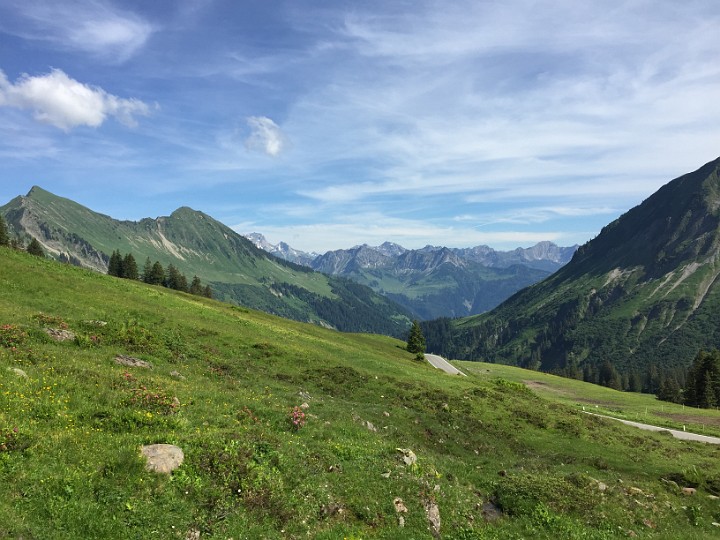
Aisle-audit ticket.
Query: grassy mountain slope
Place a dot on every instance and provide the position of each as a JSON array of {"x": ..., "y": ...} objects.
[
  {"x": 222, "y": 385},
  {"x": 643, "y": 292},
  {"x": 199, "y": 245}
]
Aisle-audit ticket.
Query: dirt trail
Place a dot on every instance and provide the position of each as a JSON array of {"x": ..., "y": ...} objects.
[{"x": 684, "y": 435}]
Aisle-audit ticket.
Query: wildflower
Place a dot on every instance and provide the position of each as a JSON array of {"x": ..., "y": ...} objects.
[{"x": 297, "y": 418}]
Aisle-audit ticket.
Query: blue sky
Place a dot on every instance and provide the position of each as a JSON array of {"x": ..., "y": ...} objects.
[{"x": 328, "y": 124}]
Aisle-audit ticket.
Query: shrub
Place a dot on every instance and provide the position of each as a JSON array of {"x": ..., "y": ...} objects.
[
  {"x": 297, "y": 418},
  {"x": 12, "y": 336}
]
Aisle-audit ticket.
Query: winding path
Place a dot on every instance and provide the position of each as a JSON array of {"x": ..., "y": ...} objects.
[
  {"x": 684, "y": 435},
  {"x": 440, "y": 363}
]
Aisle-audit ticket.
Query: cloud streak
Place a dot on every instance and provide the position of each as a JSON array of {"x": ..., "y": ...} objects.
[
  {"x": 93, "y": 26},
  {"x": 65, "y": 103}
]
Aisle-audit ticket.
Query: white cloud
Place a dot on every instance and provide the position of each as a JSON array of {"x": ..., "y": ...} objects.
[
  {"x": 63, "y": 102},
  {"x": 265, "y": 136},
  {"x": 91, "y": 26}
]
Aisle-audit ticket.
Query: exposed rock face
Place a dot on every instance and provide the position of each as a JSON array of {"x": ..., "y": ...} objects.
[{"x": 162, "y": 458}]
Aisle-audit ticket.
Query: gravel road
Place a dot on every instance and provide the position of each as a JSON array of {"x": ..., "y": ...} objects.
[
  {"x": 684, "y": 435},
  {"x": 440, "y": 363}
]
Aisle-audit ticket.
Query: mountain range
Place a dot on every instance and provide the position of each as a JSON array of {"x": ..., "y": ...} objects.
[
  {"x": 197, "y": 244},
  {"x": 434, "y": 281},
  {"x": 643, "y": 295}
]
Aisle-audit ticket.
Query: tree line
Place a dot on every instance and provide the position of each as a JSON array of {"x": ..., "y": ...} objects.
[
  {"x": 155, "y": 274},
  {"x": 702, "y": 387}
]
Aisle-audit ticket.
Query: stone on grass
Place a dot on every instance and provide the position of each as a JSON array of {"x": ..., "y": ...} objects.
[
  {"x": 177, "y": 375},
  {"x": 131, "y": 361},
  {"x": 58, "y": 334},
  {"x": 408, "y": 456},
  {"x": 400, "y": 507},
  {"x": 193, "y": 534},
  {"x": 162, "y": 458},
  {"x": 19, "y": 372},
  {"x": 433, "y": 515},
  {"x": 689, "y": 491}
]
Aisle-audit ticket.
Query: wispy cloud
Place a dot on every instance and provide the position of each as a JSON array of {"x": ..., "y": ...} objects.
[
  {"x": 63, "y": 102},
  {"x": 467, "y": 98},
  {"x": 91, "y": 26},
  {"x": 265, "y": 136}
]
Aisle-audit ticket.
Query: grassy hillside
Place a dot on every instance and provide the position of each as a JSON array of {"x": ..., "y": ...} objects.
[
  {"x": 599, "y": 399},
  {"x": 223, "y": 384}
]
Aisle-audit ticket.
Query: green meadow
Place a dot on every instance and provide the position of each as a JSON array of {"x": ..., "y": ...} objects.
[{"x": 290, "y": 430}]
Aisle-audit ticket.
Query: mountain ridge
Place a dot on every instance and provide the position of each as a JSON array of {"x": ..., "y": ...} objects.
[
  {"x": 197, "y": 244},
  {"x": 437, "y": 281}
]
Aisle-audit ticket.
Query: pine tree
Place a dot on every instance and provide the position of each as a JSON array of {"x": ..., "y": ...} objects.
[
  {"x": 669, "y": 390},
  {"x": 172, "y": 277},
  {"x": 115, "y": 264},
  {"x": 4, "y": 236},
  {"x": 182, "y": 284},
  {"x": 702, "y": 384},
  {"x": 129, "y": 267},
  {"x": 157, "y": 274},
  {"x": 147, "y": 270},
  {"x": 196, "y": 287},
  {"x": 207, "y": 293},
  {"x": 708, "y": 398},
  {"x": 416, "y": 340},
  {"x": 34, "y": 248}
]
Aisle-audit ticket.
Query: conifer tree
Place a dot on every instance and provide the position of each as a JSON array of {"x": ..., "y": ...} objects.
[
  {"x": 115, "y": 264},
  {"x": 416, "y": 340},
  {"x": 34, "y": 248},
  {"x": 172, "y": 277},
  {"x": 207, "y": 293},
  {"x": 157, "y": 274},
  {"x": 702, "y": 385},
  {"x": 196, "y": 287},
  {"x": 129, "y": 267},
  {"x": 4, "y": 236},
  {"x": 147, "y": 270},
  {"x": 182, "y": 284}
]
